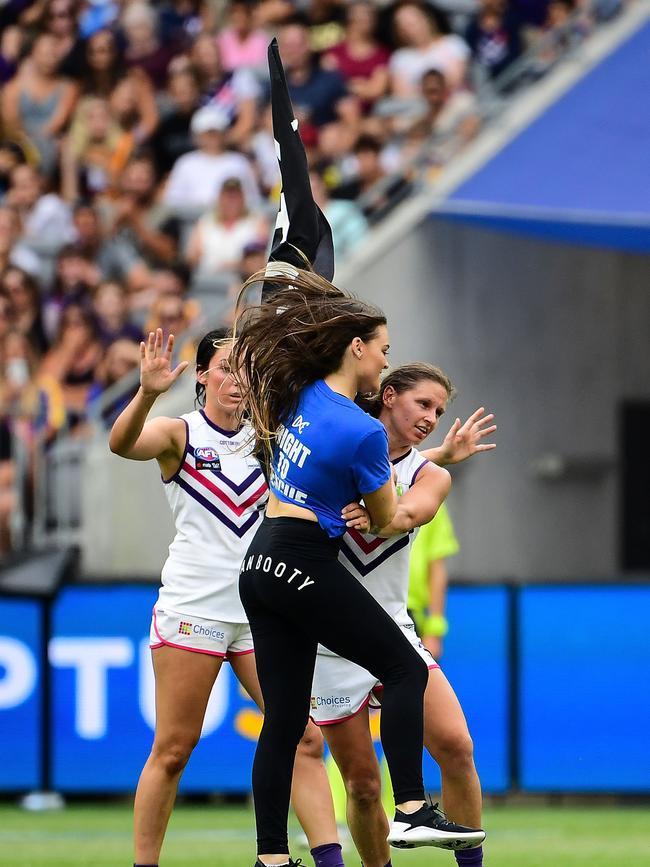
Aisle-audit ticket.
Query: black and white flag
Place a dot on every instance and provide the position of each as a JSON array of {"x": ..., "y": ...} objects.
[{"x": 302, "y": 236}]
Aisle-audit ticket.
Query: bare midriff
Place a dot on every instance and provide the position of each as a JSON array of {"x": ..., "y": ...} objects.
[{"x": 276, "y": 508}]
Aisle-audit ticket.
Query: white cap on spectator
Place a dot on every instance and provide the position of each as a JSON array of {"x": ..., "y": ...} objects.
[{"x": 210, "y": 117}]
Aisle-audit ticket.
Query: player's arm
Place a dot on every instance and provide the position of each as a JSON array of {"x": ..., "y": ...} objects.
[
  {"x": 381, "y": 504},
  {"x": 420, "y": 503},
  {"x": 463, "y": 440},
  {"x": 132, "y": 436}
]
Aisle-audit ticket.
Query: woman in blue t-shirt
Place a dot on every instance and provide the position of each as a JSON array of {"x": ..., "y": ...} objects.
[{"x": 301, "y": 363}]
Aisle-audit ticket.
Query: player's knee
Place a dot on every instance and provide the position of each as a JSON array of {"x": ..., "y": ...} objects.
[
  {"x": 363, "y": 786},
  {"x": 312, "y": 745},
  {"x": 173, "y": 754},
  {"x": 455, "y": 749}
]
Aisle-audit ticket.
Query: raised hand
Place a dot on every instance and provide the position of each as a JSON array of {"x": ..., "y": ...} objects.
[
  {"x": 156, "y": 375},
  {"x": 465, "y": 440}
]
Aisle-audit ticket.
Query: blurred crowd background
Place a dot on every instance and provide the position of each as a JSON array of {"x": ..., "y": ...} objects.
[{"x": 138, "y": 175}]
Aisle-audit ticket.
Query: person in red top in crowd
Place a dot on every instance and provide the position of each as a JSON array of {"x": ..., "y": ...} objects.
[{"x": 360, "y": 58}]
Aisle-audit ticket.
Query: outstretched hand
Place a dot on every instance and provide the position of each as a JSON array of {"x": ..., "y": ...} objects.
[
  {"x": 156, "y": 375},
  {"x": 465, "y": 440}
]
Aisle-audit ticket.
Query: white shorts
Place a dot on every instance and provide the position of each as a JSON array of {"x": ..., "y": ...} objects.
[
  {"x": 341, "y": 688},
  {"x": 187, "y": 632}
]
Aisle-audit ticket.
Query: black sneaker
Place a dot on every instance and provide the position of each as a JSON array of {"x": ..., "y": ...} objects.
[{"x": 429, "y": 826}]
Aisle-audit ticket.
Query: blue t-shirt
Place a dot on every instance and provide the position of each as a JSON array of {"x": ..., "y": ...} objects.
[{"x": 329, "y": 455}]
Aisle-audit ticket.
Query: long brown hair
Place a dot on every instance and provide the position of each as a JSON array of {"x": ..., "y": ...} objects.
[
  {"x": 297, "y": 337},
  {"x": 403, "y": 378}
]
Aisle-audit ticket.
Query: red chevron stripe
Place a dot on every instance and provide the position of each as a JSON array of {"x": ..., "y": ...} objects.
[
  {"x": 238, "y": 510},
  {"x": 366, "y": 547}
]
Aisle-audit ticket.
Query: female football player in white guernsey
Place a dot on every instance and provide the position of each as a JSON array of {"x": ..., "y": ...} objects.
[
  {"x": 216, "y": 491},
  {"x": 412, "y": 399}
]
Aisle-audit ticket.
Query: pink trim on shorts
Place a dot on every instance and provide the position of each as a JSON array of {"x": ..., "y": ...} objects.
[
  {"x": 333, "y": 722},
  {"x": 181, "y": 646},
  {"x": 240, "y": 652}
]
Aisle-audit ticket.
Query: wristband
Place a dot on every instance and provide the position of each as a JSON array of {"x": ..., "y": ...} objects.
[{"x": 435, "y": 626}]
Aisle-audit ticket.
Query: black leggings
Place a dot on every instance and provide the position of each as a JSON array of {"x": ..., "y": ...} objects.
[{"x": 297, "y": 594}]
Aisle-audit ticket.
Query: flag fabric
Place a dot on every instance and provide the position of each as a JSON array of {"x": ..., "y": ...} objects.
[{"x": 302, "y": 237}]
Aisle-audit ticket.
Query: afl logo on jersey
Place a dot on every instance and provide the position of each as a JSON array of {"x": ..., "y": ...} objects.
[{"x": 207, "y": 458}]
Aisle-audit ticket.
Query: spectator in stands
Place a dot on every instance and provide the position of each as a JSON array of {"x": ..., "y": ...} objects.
[
  {"x": 493, "y": 36},
  {"x": 73, "y": 358},
  {"x": 75, "y": 278},
  {"x": 144, "y": 48},
  {"x": 173, "y": 138},
  {"x": 427, "y": 42},
  {"x": 46, "y": 218},
  {"x": 38, "y": 102},
  {"x": 171, "y": 313},
  {"x": 95, "y": 151},
  {"x": 219, "y": 237},
  {"x": 196, "y": 178},
  {"x": 241, "y": 43},
  {"x": 447, "y": 121},
  {"x": 174, "y": 281},
  {"x": 142, "y": 233},
  {"x": 235, "y": 93},
  {"x": 13, "y": 251},
  {"x": 22, "y": 291},
  {"x": 122, "y": 357},
  {"x": 360, "y": 58},
  {"x": 380, "y": 194},
  {"x": 111, "y": 309},
  {"x": 345, "y": 217},
  {"x": 91, "y": 242},
  {"x": 316, "y": 93},
  {"x": 11, "y": 155},
  {"x": 31, "y": 405},
  {"x": 11, "y": 40},
  {"x": 105, "y": 71},
  {"x": 59, "y": 19},
  {"x": 181, "y": 20},
  {"x": 262, "y": 150}
]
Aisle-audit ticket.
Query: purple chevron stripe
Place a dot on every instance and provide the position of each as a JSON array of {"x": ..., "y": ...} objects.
[
  {"x": 237, "y": 489},
  {"x": 365, "y": 568},
  {"x": 238, "y": 531}
]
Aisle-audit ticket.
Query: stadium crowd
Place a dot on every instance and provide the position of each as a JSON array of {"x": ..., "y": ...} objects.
[{"x": 138, "y": 174}]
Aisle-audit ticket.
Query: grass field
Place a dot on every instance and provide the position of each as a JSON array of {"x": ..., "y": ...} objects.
[{"x": 222, "y": 836}]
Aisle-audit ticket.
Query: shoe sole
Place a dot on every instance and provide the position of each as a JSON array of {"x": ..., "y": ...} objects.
[{"x": 416, "y": 837}]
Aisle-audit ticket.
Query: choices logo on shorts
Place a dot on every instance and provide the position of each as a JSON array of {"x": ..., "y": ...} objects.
[
  {"x": 330, "y": 701},
  {"x": 184, "y": 628}
]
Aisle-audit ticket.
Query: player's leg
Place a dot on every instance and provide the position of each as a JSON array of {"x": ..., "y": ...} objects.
[
  {"x": 351, "y": 745},
  {"x": 310, "y": 791},
  {"x": 184, "y": 680},
  {"x": 447, "y": 739}
]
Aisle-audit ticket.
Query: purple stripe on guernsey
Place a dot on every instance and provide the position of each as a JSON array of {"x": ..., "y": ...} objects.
[
  {"x": 238, "y": 531},
  {"x": 174, "y": 478},
  {"x": 415, "y": 474},
  {"x": 365, "y": 568},
  {"x": 227, "y": 433},
  {"x": 237, "y": 489}
]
